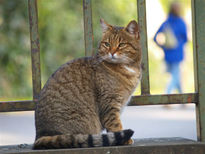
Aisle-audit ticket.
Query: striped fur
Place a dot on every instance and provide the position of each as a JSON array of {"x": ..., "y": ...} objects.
[
  {"x": 87, "y": 95},
  {"x": 83, "y": 141}
]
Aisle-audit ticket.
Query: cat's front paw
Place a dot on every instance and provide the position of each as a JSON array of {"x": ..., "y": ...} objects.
[{"x": 129, "y": 142}]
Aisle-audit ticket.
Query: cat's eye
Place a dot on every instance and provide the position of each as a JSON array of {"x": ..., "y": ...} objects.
[
  {"x": 107, "y": 44},
  {"x": 121, "y": 45}
]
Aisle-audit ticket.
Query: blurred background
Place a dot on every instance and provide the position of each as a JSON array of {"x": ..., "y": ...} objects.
[{"x": 62, "y": 39}]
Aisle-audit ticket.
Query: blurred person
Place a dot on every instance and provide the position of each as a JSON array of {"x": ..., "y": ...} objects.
[{"x": 174, "y": 33}]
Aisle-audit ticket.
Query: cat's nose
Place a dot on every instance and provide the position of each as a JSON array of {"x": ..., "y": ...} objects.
[
  {"x": 112, "y": 54},
  {"x": 113, "y": 51}
]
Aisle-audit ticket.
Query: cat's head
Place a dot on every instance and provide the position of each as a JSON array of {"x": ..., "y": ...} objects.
[{"x": 120, "y": 44}]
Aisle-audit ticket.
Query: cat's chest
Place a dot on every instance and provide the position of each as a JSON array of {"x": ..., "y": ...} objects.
[
  {"x": 123, "y": 76},
  {"x": 131, "y": 74},
  {"x": 119, "y": 75},
  {"x": 129, "y": 69}
]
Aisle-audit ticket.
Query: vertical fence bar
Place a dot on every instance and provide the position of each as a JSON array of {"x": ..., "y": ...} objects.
[
  {"x": 88, "y": 28},
  {"x": 35, "y": 47},
  {"x": 141, "y": 9},
  {"x": 195, "y": 68},
  {"x": 198, "y": 23}
]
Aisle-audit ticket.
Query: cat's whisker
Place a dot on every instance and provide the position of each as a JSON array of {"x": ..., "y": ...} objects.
[
  {"x": 124, "y": 59},
  {"x": 101, "y": 59},
  {"x": 127, "y": 58}
]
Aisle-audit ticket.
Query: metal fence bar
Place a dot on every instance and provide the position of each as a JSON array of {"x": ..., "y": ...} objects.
[
  {"x": 35, "y": 47},
  {"x": 136, "y": 100},
  {"x": 164, "y": 99},
  {"x": 17, "y": 106},
  {"x": 198, "y": 23},
  {"x": 194, "y": 48},
  {"x": 88, "y": 28},
  {"x": 141, "y": 9},
  {"x": 195, "y": 67}
]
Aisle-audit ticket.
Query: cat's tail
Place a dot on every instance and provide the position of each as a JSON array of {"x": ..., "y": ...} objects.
[{"x": 83, "y": 141}]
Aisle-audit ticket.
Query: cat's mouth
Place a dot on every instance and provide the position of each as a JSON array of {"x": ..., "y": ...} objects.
[{"x": 114, "y": 60}]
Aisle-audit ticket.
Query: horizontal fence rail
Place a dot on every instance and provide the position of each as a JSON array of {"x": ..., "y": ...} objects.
[
  {"x": 164, "y": 99},
  {"x": 136, "y": 100},
  {"x": 17, "y": 106}
]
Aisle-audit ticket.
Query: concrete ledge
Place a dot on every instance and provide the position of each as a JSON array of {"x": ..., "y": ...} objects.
[{"x": 141, "y": 146}]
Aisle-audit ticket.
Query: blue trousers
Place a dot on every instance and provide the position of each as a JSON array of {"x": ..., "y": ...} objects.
[{"x": 175, "y": 82}]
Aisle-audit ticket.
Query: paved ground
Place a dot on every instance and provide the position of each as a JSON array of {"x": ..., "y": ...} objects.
[
  {"x": 146, "y": 121},
  {"x": 151, "y": 146}
]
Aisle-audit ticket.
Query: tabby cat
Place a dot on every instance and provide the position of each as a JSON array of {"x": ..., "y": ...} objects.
[{"x": 86, "y": 95}]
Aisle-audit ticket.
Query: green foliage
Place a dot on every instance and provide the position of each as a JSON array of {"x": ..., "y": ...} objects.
[
  {"x": 14, "y": 47},
  {"x": 61, "y": 38}
]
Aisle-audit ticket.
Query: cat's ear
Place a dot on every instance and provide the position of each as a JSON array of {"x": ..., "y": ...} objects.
[
  {"x": 133, "y": 28},
  {"x": 105, "y": 26}
]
